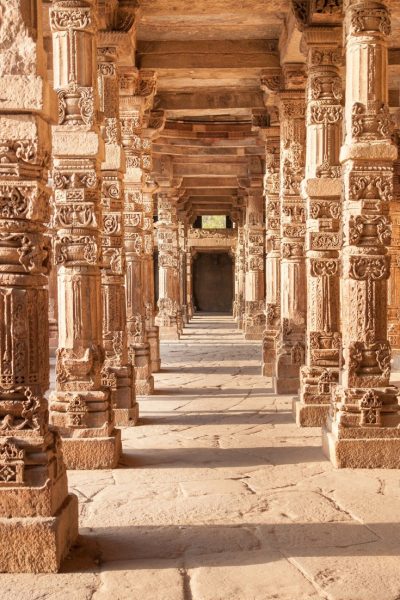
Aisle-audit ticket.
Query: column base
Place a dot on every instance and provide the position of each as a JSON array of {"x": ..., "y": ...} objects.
[
  {"x": 155, "y": 365},
  {"x": 253, "y": 335},
  {"x": 310, "y": 415},
  {"x": 269, "y": 354},
  {"x": 169, "y": 333},
  {"x": 145, "y": 387},
  {"x": 395, "y": 359},
  {"x": 38, "y": 544},
  {"x": 285, "y": 385},
  {"x": 154, "y": 343},
  {"x": 363, "y": 453},
  {"x": 127, "y": 417},
  {"x": 92, "y": 453}
]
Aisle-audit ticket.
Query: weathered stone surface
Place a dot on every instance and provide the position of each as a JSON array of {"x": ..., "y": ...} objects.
[{"x": 219, "y": 495}]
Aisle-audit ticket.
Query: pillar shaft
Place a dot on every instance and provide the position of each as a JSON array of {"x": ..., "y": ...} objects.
[
  {"x": 238, "y": 305},
  {"x": 117, "y": 373},
  {"x": 80, "y": 406},
  {"x": 321, "y": 189},
  {"x": 394, "y": 280},
  {"x": 254, "y": 301},
  {"x": 363, "y": 427},
  {"x": 291, "y": 338},
  {"x": 38, "y": 520},
  {"x": 169, "y": 309},
  {"x": 182, "y": 240},
  {"x": 272, "y": 249},
  {"x": 135, "y": 89}
]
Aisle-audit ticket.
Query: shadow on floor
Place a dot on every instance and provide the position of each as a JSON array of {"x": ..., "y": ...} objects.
[
  {"x": 199, "y": 418},
  {"x": 193, "y": 458},
  {"x": 231, "y": 544}
]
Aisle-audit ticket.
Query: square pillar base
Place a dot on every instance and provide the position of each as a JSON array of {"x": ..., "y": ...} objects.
[
  {"x": 169, "y": 333},
  {"x": 361, "y": 453},
  {"x": 38, "y": 544},
  {"x": 92, "y": 453},
  {"x": 309, "y": 415},
  {"x": 127, "y": 417},
  {"x": 285, "y": 385},
  {"x": 155, "y": 365},
  {"x": 253, "y": 335},
  {"x": 144, "y": 387}
]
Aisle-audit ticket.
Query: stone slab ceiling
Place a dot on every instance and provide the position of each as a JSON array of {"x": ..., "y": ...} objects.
[{"x": 209, "y": 56}]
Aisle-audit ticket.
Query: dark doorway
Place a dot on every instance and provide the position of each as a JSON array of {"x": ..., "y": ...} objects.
[{"x": 213, "y": 282}]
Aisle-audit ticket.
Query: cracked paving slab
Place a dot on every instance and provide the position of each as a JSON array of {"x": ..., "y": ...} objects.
[{"x": 219, "y": 496}]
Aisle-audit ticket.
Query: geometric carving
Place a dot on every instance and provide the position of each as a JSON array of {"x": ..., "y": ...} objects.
[{"x": 11, "y": 464}]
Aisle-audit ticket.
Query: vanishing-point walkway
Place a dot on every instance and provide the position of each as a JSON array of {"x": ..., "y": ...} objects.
[{"x": 220, "y": 497}]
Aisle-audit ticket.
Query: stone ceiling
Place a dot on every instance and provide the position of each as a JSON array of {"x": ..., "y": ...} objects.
[{"x": 209, "y": 56}]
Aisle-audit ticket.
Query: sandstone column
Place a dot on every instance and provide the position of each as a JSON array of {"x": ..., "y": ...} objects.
[
  {"x": 38, "y": 519},
  {"x": 153, "y": 336},
  {"x": 394, "y": 279},
  {"x": 254, "y": 302},
  {"x": 291, "y": 338},
  {"x": 117, "y": 373},
  {"x": 238, "y": 306},
  {"x": 363, "y": 428},
  {"x": 154, "y": 124},
  {"x": 189, "y": 284},
  {"x": 80, "y": 406},
  {"x": 272, "y": 243},
  {"x": 321, "y": 189},
  {"x": 182, "y": 241},
  {"x": 136, "y": 93},
  {"x": 169, "y": 310}
]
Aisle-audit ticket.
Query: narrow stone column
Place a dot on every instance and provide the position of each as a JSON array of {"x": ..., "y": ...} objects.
[
  {"x": 238, "y": 306},
  {"x": 80, "y": 406},
  {"x": 135, "y": 90},
  {"x": 153, "y": 336},
  {"x": 53, "y": 311},
  {"x": 394, "y": 279},
  {"x": 189, "y": 284},
  {"x": 38, "y": 519},
  {"x": 273, "y": 253},
  {"x": 182, "y": 241},
  {"x": 363, "y": 428},
  {"x": 117, "y": 373},
  {"x": 154, "y": 124},
  {"x": 291, "y": 338},
  {"x": 321, "y": 189},
  {"x": 254, "y": 298},
  {"x": 169, "y": 310}
]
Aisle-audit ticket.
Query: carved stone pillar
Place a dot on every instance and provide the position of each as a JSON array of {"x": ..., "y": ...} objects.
[
  {"x": 238, "y": 305},
  {"x": 189, "y": 284},
  {"x": 363, "y": 428},
  {"x": 38, "y": 519},
  {"x": 291, "y": 338},
  {"x": 152, "y": 330},
  {"x": 53, "y": 312},
  {"x": 169, "y": 310},
  {"x": 254, "y": 297},
  {"x": 154, "y": 123},
  {"x": 182, "y": 241},
  {"x": 134, "y": 90},
  {"x": 117, "y": 373},
  {"x": 80, "y": 406},
  {"x": 273, "y": 253},
  {"x": 321, "y": 189},
  {"x": 394, "y": 279}
]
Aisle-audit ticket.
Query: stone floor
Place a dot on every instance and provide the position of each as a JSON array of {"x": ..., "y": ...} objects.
[{"x": 220, "y": 497}]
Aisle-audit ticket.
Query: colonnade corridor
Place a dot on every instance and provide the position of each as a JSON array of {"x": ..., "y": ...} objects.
[{"x": 219, "y": 496}]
